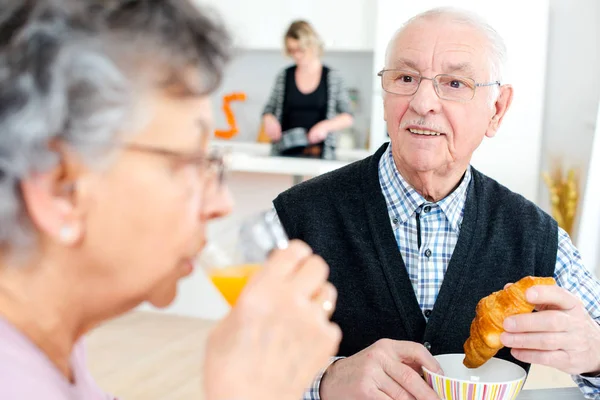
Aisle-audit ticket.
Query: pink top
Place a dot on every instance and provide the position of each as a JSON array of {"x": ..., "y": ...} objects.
[{"x": 26, "y": 372}]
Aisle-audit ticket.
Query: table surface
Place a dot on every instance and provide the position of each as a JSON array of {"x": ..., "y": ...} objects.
[{"x": 551, "y": 394}]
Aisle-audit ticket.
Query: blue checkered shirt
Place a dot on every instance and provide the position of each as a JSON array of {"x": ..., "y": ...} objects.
[{"x": 440, "y": 226}]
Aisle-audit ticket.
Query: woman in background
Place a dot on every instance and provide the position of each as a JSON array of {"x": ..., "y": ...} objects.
[
  {"x": 106, "y": 188},
  {"x": 307, "y": 95}
]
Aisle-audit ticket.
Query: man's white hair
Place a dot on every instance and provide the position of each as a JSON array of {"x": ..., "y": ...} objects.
[{"x": 496, "y": 50}]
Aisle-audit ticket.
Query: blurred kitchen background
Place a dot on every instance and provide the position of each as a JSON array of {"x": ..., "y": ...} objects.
[{"x": 554, "y": 66}]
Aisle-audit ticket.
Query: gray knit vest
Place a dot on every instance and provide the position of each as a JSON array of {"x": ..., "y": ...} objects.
[{"x": 343, "y": 216}]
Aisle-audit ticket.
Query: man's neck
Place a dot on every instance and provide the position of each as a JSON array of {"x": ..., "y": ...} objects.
[{"x": 433, "y": 185}]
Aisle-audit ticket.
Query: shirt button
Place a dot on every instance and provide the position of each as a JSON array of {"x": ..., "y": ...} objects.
[
  {"x": 395, "y": 221},
  {"x": 428, "y": 313},
  {"x": 427, "y": 209},
  {"x": 427, "y": 345},
  {"x": 427, "y": 253}
]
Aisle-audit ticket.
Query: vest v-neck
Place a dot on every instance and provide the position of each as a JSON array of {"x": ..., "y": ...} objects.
[
  {"x": 390, "y": 258},
  {"x": 458, "y": 270},
  {"x": 394, "y": 268}
]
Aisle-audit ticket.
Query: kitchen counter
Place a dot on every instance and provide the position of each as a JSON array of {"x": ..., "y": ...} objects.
[
  {"x": 256, "y": 158},
  {"x": 551, "y": 394}
]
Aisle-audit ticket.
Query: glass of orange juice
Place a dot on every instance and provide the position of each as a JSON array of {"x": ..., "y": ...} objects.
[{"x": 232, "y": 256}]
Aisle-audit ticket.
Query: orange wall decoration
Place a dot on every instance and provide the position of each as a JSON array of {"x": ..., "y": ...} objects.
[{"x": 229, "y": 116}]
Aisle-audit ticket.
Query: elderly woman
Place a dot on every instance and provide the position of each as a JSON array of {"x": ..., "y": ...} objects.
[{"x": 105, "y": 192}]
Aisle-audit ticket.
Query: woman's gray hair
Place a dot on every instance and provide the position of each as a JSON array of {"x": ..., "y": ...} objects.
[
  {"x": 61, "y": 80},
  {"x": 497, "y": 52}
]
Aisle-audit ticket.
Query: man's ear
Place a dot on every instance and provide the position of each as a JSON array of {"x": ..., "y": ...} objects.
[
  {"x": 50, "y": 198},
  {"x": 501, "y": 107}
]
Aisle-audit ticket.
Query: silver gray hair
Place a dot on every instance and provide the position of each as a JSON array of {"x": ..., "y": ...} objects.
[
  {"x": 497, "y": 52},
  {"x": 61, "y": 81}
]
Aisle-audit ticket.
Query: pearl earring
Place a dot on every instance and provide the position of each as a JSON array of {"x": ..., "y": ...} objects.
[{"x": 67, "y": 234}]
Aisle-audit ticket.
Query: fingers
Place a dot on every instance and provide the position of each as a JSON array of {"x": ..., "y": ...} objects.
[
  {"x": 557, "y": 359},
  {"x": 416, "y": 354},
  {"x": 306, "y": 274},
  {"x": 537, "y": 341},
  {"x": 316, "y": 136},
  {"x": 310, "y": 276},
  {"x": 334, "y": 333},
  {"x": 284, "y": 263},
  {"x": 543, "y": 321},
  {"x": 392, "y": 390},
  {"x": 273, "y": 129},
  {"x": 406, "y": 383},
  {"x": 552, "y": 295},
  {"x": 381, "y": 395},
  {"x": 312, "y": 138},
  {"x": 274, "y": 135},
  {"x": 326, "y": 299}
]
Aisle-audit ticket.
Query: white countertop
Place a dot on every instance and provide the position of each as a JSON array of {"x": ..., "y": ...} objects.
[
  {"x": 256, "y": 158},
  {"x": 551, "y": 394}
]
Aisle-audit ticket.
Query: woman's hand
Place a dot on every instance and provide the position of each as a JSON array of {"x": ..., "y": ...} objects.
[
  {"x": 272, "y": 127},
  {"x": 278, "y": 336},
  {"x": 318, "y": 133}
]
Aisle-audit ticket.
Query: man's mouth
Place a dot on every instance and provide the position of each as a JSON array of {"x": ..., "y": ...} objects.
[{"x": 424, "y": 132}]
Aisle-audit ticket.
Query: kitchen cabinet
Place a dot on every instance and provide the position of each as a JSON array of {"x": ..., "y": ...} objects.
[
  {"x": 347, "y": 25},
  {"x": 261, "y": 24}
]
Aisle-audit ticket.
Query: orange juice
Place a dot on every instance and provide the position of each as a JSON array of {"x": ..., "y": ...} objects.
[{"x": 231, "y": 280}]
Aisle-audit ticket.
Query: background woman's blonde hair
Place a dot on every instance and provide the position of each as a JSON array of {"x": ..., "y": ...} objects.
[{"x": 305, "y": 34}]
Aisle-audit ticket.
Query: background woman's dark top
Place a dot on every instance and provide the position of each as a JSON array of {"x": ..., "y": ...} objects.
[
  {"x": 300, "y": 109},
  {"x": 295, "y": 109}
]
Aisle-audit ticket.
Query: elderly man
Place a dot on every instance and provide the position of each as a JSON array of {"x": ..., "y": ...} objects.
[{"x": 415, "y": 236}]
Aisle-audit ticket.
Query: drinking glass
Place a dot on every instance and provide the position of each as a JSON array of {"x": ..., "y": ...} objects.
[{"x": 234, "y": 254}]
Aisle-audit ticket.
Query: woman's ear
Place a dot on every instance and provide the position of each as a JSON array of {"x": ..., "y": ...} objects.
[{"x": 50, "y": 198}]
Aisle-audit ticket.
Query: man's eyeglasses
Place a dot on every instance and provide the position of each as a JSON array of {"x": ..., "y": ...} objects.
[
  {"x": 447, "y": 87},
  {"x": 209, "y": 165}
]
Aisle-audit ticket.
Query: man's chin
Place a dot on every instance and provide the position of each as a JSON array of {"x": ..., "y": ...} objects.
[{"x": 423, "y": 164}]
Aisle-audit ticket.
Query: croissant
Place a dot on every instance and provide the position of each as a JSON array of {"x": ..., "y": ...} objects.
[{"x": 484, "y": 340}]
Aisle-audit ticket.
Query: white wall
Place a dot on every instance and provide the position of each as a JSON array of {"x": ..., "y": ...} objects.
[
  {"x": 261, "y": 24},
  {"x": 589, "y": 227},
  {"x": 253, "y": 72},
  {"x": 572, "y": 87}
]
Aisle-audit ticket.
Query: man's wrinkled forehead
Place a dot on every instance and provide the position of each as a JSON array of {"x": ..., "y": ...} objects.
[{"x": 440, "y": 45}]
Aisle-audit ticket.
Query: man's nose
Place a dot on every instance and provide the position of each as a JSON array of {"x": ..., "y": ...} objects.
[{"x": 426, "y": 100}]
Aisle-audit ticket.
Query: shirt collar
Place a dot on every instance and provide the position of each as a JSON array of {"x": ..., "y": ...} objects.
[{"x": 403, "y": 200}]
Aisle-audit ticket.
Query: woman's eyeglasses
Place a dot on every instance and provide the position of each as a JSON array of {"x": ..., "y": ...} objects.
[{"x": 213, "y": 164}]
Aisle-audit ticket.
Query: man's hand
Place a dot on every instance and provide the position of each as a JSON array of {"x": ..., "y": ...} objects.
[
  {"x": 561, "y": 335},
  {"x": 386, "y": 370}
]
